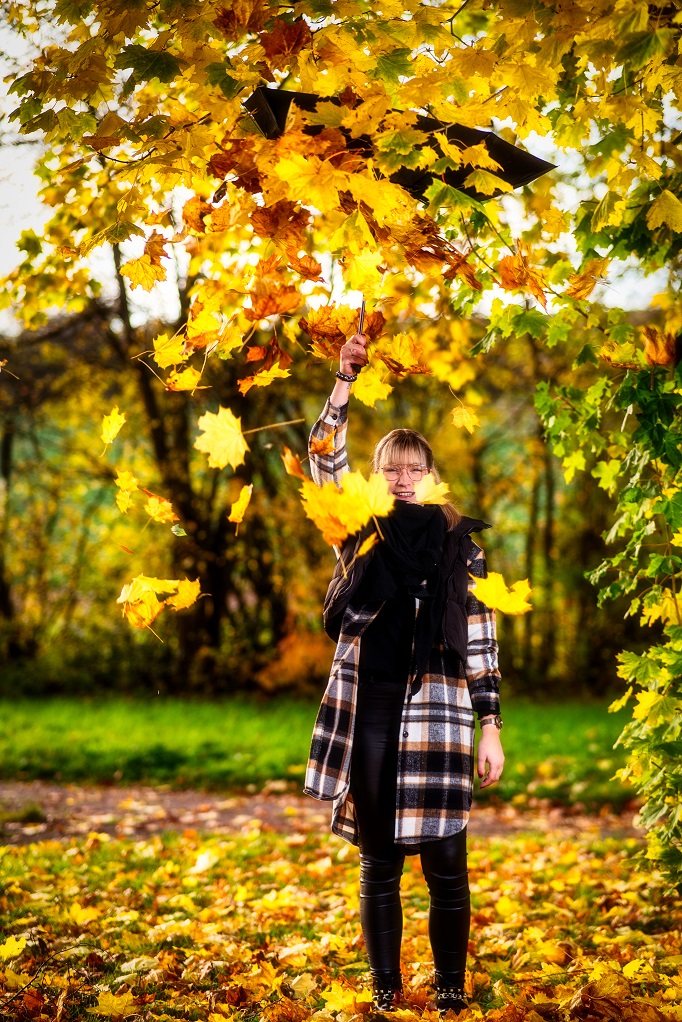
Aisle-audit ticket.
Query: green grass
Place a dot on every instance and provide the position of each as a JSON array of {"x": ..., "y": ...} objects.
[{"x": 562, "y": 751}]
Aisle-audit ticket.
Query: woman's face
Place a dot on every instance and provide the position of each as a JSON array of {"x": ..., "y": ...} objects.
[{"x": 403, "y": 473}]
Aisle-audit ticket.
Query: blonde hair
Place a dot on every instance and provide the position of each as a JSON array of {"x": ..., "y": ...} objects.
[{"x": 403, "y": 445}]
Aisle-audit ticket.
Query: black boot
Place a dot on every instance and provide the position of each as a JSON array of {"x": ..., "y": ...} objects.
[
  {"x": 387, "y": 988},
  {"x": 449, "y": 993}
]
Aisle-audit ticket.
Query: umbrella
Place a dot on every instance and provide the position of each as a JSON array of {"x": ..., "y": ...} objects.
[{"x": 269, "y": 109}]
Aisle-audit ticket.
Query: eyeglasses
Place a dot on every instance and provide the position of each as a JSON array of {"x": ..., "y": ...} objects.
[{"x": 415, "y": 472}]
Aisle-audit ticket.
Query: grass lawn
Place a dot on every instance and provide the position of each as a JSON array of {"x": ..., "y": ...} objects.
[{"x": 563, "y": 751}]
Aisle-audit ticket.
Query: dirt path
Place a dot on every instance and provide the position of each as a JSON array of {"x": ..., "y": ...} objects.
[{"x": 40, "y": 811}]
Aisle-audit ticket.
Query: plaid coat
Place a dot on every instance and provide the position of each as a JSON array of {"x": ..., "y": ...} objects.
[{"x": 436, "y": 752}]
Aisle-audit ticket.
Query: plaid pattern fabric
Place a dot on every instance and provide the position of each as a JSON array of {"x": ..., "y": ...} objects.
[{"x": 436, "y": 753}]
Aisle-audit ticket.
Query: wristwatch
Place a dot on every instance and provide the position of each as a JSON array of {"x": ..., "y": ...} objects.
[{"x": 496, "y": 720}]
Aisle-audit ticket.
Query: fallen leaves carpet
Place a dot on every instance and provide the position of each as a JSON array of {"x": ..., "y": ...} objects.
[{"x": 259, "y": 924}]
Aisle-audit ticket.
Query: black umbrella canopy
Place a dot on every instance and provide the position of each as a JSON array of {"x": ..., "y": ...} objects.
[{"x": 270, "y": 107}]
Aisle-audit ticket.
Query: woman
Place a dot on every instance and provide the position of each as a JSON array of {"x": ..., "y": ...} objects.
[{"x": 393, "y": 744}]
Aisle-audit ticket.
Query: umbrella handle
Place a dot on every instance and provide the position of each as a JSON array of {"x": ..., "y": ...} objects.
[{"x": 354, "y": 366}]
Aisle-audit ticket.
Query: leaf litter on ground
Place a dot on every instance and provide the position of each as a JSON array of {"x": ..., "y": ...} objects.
[{"x": 261, "y": 925}]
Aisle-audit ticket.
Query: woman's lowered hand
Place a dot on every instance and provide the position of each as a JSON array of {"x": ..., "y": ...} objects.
[{"x": 490, "y": 758}]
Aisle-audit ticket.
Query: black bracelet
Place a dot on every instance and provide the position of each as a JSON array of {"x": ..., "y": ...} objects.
[{"x": 345, "y": 377}]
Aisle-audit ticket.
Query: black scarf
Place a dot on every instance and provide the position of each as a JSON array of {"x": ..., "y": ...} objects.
[{"x": 409, "y": 561}]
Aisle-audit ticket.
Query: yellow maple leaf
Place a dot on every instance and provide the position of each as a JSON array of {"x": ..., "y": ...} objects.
[
  {"x": 493, "y": 592},
  {"x": 364, "y": 498},
  {"x": 187, "y": 594},
  {"x": 184, "y": 379},
  {"x": 111, "y": 425},
  {"x": 143, "y": 272},
  {"x": 141, "y": 605},
  {"x": 323, "y": 505},
  {"x": 238, "y": 509},
  {"x": 82, "y": 916},
  {"x": 292, "y": 464},
  {"x": 553, "y": 222},
  {"x": 168, "y": 351},
  {"x": 124, "y": 501},
  {"x": 160, "y": 510},
  {"x": 12, "y": 947},
  {"x": 312, "y": 181},
  {"x": 428, "y": 491},
  {"x": 478, "y": 156},
  {"x": 361, "y": 272},
  {"x": 371, "y": 386},
  {"x": 222, "y": 438},
  {"x": 110, "y": 1005},
  {"x": 667, "y": 209},
  {"x": 263, "y": 379},
  {"x": 126, "y": 481},
  {"x": 466, "y": 417}
]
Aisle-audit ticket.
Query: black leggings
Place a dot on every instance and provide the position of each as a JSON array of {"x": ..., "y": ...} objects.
[{"x": 444, "y": 861}]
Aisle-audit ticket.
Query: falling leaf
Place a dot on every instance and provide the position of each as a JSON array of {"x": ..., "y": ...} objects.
[
  {"x": 160, "y": 510},
  {"x": 184, "y": 379},
  {"x": 292, "y": 464},
  {"x": 168, "y": 351},
  {"x": 516, "y": 274},
  {"x": 111, "y": 424},
  {"x": 428, "y": 491},
  {"x": 187, "y": 594},
  {"x": 466, "y": 417},
  {"x": 263, "y": 379},
  {"x": 140, "y": 600},
  {"x": 143, "y": 272},
  {"x": 222, "y": 439},
  {"x": 493, "y": 592},
  {"x": 239, "y": 507},
  {"x": 581, "y": 285},
  {"x": 365, "y": 498}
]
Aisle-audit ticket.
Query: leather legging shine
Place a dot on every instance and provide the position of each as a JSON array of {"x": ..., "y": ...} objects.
[{"x": 444, "y": 861}]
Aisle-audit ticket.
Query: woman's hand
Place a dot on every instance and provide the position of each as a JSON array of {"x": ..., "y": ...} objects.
[
  {"x": 353, "y": 354},
  {"x": 490, "y": 758}
]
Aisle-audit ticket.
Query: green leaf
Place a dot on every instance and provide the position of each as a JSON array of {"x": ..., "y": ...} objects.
[
  {"x": 147, "y": 64},
  {"x": 218, "y": 76},
  {"x": 639, "y": 49},
  {"x": 392, "y": 66}
]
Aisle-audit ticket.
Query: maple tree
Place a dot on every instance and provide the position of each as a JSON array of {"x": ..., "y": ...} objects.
[{"x": 148, "y": 150}]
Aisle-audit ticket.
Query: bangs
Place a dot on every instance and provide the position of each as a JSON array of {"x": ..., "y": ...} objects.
[{"x": 405, "y": 447}]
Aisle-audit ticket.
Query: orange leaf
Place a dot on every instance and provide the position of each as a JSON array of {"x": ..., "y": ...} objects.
[
  {"x": 292, "y": 464},
  {"x": 581, "y": 285},
  {"x": 516, "y": 274},
  {"x": 323, "y": 445},
  {"x": 660, "y": 349}
]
